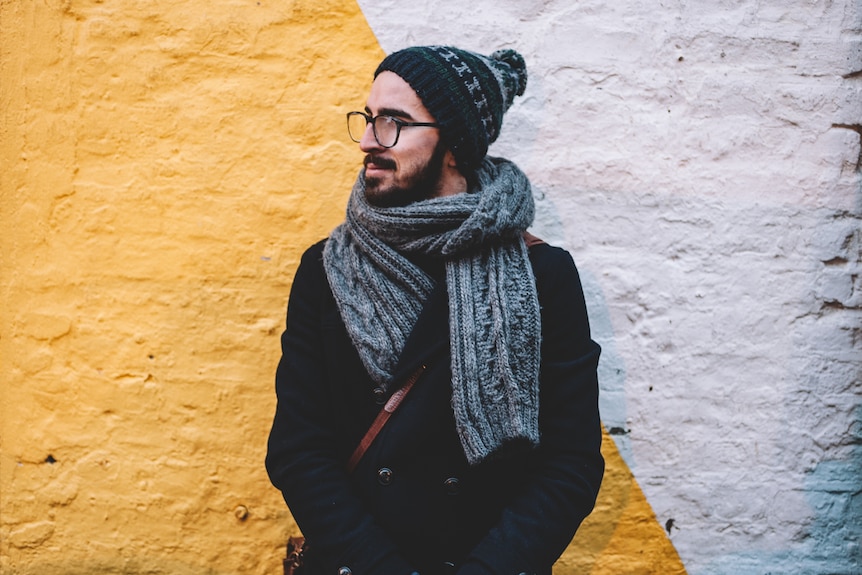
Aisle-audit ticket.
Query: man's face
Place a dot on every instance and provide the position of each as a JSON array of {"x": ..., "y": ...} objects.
[{"x": 411, "y": 170}]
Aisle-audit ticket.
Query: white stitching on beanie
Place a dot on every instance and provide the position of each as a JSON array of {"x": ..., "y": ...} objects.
[{"x": 481, "y": 102}]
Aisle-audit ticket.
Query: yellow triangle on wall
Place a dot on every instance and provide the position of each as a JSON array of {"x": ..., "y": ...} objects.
[{"x": 622, "y": 536}]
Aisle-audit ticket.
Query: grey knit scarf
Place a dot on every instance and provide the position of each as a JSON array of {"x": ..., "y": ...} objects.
[{"x": 494, "y": 322}]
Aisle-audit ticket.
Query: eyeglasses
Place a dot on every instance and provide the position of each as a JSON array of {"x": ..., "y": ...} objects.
[{"x": 386, "y": 128}]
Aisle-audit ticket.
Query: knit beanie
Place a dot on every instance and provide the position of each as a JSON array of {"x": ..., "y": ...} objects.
[{"x": 467, "y": 93}]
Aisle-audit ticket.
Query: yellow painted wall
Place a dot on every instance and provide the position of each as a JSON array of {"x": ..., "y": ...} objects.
[{"x": 164, "y": 165}]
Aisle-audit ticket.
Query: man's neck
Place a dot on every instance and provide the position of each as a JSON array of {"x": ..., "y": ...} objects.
[{"x": 451, "y": 187}]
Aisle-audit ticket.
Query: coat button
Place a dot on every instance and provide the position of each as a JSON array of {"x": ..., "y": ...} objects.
[
  {"x": 344, "y": 571},
  {"x": 452, "y": 486},
  {"x": 384, "y": 476},
  {"x": 379, "y": 395}
]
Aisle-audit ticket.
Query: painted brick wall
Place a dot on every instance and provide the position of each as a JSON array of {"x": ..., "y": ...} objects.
[{"x": 164, "y": 165}]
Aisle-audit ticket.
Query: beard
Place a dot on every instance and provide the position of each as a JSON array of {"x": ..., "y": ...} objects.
[{"x": 419, "y": 185}]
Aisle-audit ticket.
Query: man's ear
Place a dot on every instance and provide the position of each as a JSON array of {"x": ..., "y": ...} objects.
[
  {"x": 451, "y": 164},
  {"x": 449, "y": 160},
  {"x": 452, "y": 180}
]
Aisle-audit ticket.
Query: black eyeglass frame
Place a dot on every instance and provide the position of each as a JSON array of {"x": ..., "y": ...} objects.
[{"x": 398, "y": 125}]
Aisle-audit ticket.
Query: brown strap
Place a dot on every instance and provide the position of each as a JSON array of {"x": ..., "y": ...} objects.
[
  {"x": 296, "y": 548},
  {"x": 381, "y": 419},
  {"x": 532, "y": 240}
]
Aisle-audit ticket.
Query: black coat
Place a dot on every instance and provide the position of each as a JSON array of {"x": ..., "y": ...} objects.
[{"x": 413, "y": 503}]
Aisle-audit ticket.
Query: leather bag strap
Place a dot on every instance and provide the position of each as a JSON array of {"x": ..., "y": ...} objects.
[
  {"x": 381, "y": 419},
  {"x": 532, "y": 240}
]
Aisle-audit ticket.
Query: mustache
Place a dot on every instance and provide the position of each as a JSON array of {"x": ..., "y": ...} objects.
[{"x": 384, "y": 163}]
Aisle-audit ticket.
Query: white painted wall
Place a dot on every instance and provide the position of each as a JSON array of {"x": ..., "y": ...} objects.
[{"x": 701, "y": 160}]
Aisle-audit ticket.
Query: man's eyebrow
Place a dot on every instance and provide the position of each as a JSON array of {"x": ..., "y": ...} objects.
[{"x": 395, "y": 112}]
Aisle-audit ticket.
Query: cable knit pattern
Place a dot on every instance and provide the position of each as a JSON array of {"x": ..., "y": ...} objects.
[{"x": 494, "y": 319}]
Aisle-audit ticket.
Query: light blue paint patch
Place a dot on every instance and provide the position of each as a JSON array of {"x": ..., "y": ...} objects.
[
  {"x": 833, "y": 543},
  {"x": 611, "y": 371},
  {"x": 835, "y": 493}
]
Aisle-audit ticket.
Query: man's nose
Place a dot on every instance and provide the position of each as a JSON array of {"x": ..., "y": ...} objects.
[{"x": 368, "y": 143}]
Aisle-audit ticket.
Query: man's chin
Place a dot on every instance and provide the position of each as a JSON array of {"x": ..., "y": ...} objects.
[
  {"x": 381, "y": 196},
  {"x": 382, "y": 193}
]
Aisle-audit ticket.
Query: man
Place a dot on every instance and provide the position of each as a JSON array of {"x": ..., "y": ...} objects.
[{"x": 491, "y": 461}]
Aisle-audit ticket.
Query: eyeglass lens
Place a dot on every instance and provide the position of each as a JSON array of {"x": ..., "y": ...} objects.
[{"x": 385, "y": 129}]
